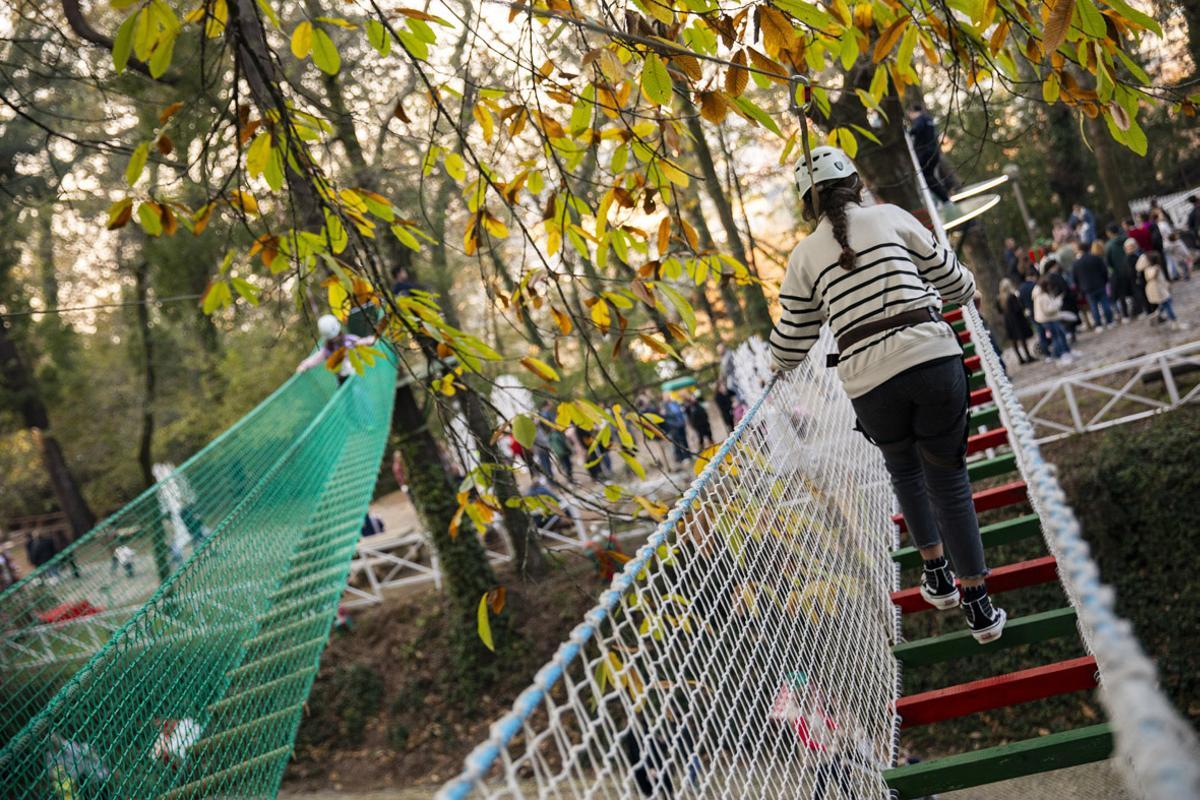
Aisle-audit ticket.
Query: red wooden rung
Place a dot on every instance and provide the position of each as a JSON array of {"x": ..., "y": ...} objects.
[
  {"x": 1002, "y": 691},
  {"x": 964, "y": 337},
  {"x": 953, "y": 316},
  {"x": 981, "y": 396},
  {"x": 986, "y": 500},
  {"x": 1003, "y": 579},
  {"x": 972, "y": 363},
  {"x": 983, "y": 441}
]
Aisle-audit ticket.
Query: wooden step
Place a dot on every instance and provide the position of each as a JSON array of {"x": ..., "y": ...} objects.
[
  {"x": 315, "y": 645},
  {"x": 217, "y": 784},
  {"x": 952, "y": 316},
  {"x": 999, "y": 533},
  {"x": 964, "y": 337},
  {"x": 992, "y": 467},
  {"x": 977, "y": 380},
  {"x": 981, "y": 396},
  {"x": 223, "y": 708},
  {"x": 986, "y": 500},
  {"x": 987, "y": 440},
  {"x": 1065, "y": 677},
  {"x": 331, "y": 559},
  {"x": 277, "y": 632},
  {"x": 1022, "y": 630},
  {"x": 279, "y": 611},
  {"x": 968, "y": 349},
  {"x": 972, "y": 363},
  {"x": 984, "y": 418},
  {"x": 308, "y": 581},
  {"x": 256, "y": 730},
  {"x": 1003, "y": 579},
  {"x": 1029, "y": 757}
]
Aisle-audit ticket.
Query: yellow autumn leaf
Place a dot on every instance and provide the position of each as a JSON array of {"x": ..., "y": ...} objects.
[
  {"x": 243, "y": 201},
  {"x": 540, "y": 368},
  {"x": 601, "y": 315},
  {"x": 302, "y": 39},
  {"x": 484, "y": 624}
]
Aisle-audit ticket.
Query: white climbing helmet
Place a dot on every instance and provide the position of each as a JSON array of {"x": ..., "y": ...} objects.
[
  {"x": 828, "y": 164},
  {"x": 328, "y": 327}
]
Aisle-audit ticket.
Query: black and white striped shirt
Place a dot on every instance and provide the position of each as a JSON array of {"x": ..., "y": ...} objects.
[{"x": 900, "y": 266}]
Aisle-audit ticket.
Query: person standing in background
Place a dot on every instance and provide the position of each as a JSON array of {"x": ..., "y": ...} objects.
[
  {"x": 1016, "y": 327},
  {"x": 928, "y": 147},
  {"x": 1083, "y": 224},
  {"x": 1091, "y": 275},
  {"x": 1120, "y": 279}
]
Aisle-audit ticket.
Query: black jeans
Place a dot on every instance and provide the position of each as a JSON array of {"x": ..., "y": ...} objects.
[{"x": 918, "y": 419}]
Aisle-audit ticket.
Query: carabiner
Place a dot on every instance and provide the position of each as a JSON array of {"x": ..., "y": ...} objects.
[{"x": 794, "y": 84}]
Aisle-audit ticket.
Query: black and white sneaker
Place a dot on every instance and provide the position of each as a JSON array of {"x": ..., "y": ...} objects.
[
  {"x": 937, "y": 585},
  {"x": 986, "y": 621}
]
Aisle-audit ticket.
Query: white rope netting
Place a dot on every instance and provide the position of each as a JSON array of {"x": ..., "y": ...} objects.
[
  {"x": 746, "y": 650},
  {"x": 1155, "y": 747}
]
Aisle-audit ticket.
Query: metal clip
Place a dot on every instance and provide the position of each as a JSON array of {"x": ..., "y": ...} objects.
[{"x": 794, "y": 105}]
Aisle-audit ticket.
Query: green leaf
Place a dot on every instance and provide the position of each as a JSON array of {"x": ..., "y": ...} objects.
[
  {"x": 415, "y": 47},
  {"x": 1090, "y": 18},
  {"x": 137, "y": 163},
  {"x": 324, "y": 53},
  {"x": 455, "y": 167},
  {"x": 686, "y": 312},
  {"x": 1134, "y": 68},
  {"x": 865, "y": 133},
  {"x": 485, "y": 625},
  {"x": 216, "y": 296},
  {"x": 757, "y": 114},
  {"x": 378, "y": 37},
  {"x": 269, "y": 10},
  {"x": 123, "y": 44},
  {"x": 1133, "y": 15},
  {"x": 336, "y": 232},
  {"x": 656, "y": 82},
  {"x": 524, "y": 430},
  {"x": 273, "y": 172},
  {"x": 246, "y": 290},
  {"x": 258, "y": 154},
  {"x": 808, "y": 13},
  {"x": 422, "y": 31},
  {"x": 149, "y": 220},
  {"x": 406, "y": 238},
  {"x": 162, "y": 55}
]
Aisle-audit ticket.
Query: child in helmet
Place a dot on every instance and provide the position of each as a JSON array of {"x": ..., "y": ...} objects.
[
  {"x": 333, "y": 340},
  {"x": 878, "y": 278}
]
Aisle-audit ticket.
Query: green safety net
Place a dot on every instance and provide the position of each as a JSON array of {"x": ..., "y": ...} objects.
[{"x": 168, "y": 652}]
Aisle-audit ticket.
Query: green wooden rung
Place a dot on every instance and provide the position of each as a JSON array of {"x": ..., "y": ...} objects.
[
  {"x": 279, "y": 611},
  {"x": 1000, "y": 533},
  {"x": 298, "y": 586},
  {"x": 276, "y": 634},
  {"x": 984, "y": 418},
  {"x": 1019, "y": 631},
  {"x": 238, "y": 735},
  {"x": 977, "y": 381},
  {"x": 224, "y": 709},
  {"x": 991, "y": 467},
  {"x": 217, "y": 784},
  {"x": 316, "y": 644},
  {"x": 959, "y": 325},
  {"x": 968, "y": 349},
  {"x": 1002, "y": 763}
]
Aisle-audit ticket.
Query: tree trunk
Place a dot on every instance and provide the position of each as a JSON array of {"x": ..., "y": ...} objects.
[
  {"x": 18, "y": 380},
  {"x": 145, "y": 458},
  {"x": 1068, "y": 174},
  {"x": 522, "y": 534},
  {"x": 733, "y": 308},
  {"x": 464, "y": 563},
  {"x": 1109, "y": 166},
  {"x": 757, "y": 312}
]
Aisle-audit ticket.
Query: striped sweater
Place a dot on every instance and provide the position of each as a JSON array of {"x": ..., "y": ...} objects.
[{"x": 900, "y": 267}]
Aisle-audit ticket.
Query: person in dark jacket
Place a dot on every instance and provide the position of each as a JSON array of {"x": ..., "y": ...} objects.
[
  {"x": 929, "y": 149},
  {"x": 1120, "y": 280},
  {"x": 1140, "y": 304},
  {"x": 697, "y": 417},
  {"x": 724, "y": 400},
  {"x": 1192, "y": 234},
  {"x": 1061, "y": 287},
  {"x": 1091, "y": 276},
  {"x": 1016, "y": 324}
]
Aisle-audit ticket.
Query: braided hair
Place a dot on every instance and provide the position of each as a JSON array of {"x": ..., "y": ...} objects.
[{"x": 835, "y": 196}]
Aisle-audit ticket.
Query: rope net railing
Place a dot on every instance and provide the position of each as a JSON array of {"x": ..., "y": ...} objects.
[
  {"x": 199, "y": 691},
  {"x": 57, "y": 617},
  {"x": 1155, "y": 747},
  {"x": 746, "y": 650}
]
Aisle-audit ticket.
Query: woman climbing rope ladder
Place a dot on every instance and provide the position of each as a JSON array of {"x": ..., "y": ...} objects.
[{"x": 875, "y": 274}]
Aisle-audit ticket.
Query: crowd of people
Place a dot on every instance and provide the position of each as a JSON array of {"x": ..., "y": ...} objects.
[{"x": 1093, "y": 278}]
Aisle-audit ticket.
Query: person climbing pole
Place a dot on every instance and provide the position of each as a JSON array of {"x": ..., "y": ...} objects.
[
  {"x": 878, "y": 278},
  {"x": 333, "y": 339}
]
